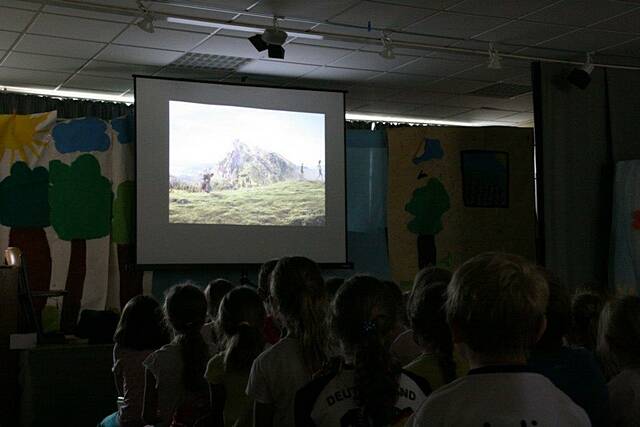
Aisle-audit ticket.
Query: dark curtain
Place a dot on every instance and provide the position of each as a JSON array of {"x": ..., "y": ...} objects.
[
  {"x": 67, "y": 108},
  {"x": 624, "y": 108}
]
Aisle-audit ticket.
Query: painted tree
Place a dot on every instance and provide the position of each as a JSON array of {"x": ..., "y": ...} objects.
[
  {"x": 427, "y": 205},
  {"x": 24, "y": 206},
  {"x": 80, "y": 199},
  {"x": 122, "y": 225}
]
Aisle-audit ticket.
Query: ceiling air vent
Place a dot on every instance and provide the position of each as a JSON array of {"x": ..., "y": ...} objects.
[
  {"x": 501, "y": 90},
  {"x": 202, "y": 61}
]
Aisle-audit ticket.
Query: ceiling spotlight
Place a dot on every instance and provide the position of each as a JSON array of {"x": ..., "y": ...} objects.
[
  {"x": 270, "y": 40},
  {"x": 581, "y": 76},
  {"x": 495, "y": 61},
  {"x": 387, "y": 46},
  {"x": 146, "y": 23}
]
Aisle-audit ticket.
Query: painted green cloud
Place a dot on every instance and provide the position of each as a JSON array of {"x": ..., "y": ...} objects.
[
  {"x": 122, "y": 222},
  {"x": 427, "y": 205},
  {"x": 80, "y": 199},
  {"x": 24, "y": 197}
]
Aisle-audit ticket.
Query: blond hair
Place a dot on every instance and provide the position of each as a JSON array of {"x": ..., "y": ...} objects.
[{"x": 497, "y": 302}]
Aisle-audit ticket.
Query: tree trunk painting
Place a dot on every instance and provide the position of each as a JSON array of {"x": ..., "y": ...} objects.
[
  {"x": 426, "y": 250},
  {"x": 74, "y": 285},
  {"x": 35, "y": 249},
  {"x": 130, "y": 279}
]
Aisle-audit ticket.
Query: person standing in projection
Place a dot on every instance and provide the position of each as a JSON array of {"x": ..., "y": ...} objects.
[
  {"x": 302, "y": 169},
  {"x": 320, "y": 170}
]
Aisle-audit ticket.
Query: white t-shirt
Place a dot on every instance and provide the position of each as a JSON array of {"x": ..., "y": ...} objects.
[
  {"x": 166, "y": 366},
  {"x": 624, "y": 397},
  {"x": 500, "y": 397},
  {"x": 210, "y": 338},
  {"x": 329, "y": 400},
  {"x": 276, "y": 376}
]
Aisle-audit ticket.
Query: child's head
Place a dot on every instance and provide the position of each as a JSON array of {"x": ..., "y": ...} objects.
[
  {"x": 214, "y": 292},
  {"x": 558, "y": 314},
  {"x": 186, "y": 310},
  {"x": 363, "y": 317},
  {"x": 333, "y": 284},
  {"x": 619, "y": 331},
  {"x": 496, "y": 304},
  {"x": 585, "y": 315},
  {"x": 241, "y": 320},
  {"x": 141, "y": 325},
  {"x": 264, "y": 279},
  {"x": 428, "y": 319},
  {"x": 395, "y": 293},
  {"x": 299, "y": 298}
]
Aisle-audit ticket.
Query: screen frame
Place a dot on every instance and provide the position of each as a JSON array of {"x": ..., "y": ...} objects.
[{"x": 348, "y": 265}]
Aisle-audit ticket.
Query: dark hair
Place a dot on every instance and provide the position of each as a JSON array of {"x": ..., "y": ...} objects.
[
  {"x": 186, "y": 310},
  {"x": 141, "y": 325},
  {"x": 333, "y": 284},
  {"x": 241, "y": 319},
  {"x": 585, "y": 314},
  {"x": 214, "y": 292},
  {"x": 396, "y": 295},
  {"x": 558, "y": 314},
  {"x": 619, "y": 331},
  {"x": 264, "y": 278},
  {"x": 300, "y": 297},
  {"x": 363, "y": 316},
  {"x": 428, "y": 318}
]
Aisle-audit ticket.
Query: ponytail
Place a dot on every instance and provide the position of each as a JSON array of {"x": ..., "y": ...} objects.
[
  {"x": 195, "y": 355},
  {"x": 243, "y": 347}
]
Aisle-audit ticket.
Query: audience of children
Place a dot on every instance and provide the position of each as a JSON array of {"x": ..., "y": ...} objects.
[
  {"x": 367, "y": 385},
  {"x": 499, "y": 315}
]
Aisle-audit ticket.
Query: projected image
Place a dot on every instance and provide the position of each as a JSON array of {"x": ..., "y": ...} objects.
[{"x": 245, "y": 166}]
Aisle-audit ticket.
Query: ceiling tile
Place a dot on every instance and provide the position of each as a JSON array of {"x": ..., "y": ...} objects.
[
  {"x": 90, "y": 14},
  {"x": 160, "y": 39},
  {"x": 484, "y": 73},
  {"x": 587, "y": 40},
  {"x": 371, "y": 61},
  {"x": 438, "y": 111},
  {"x": 314, "y": 55},
  {"x": 339, "y": 44},
  {"x": 417, "y": 96},
  {"x": 229, "y": 46},
  {"x": 7, "y": 38},
  {"x": 429, "y": 4},
  {"x": 631, "y": 48},
  {"x": 31, "y": 43},
  {"x": 381, "y": 15},
  {"x": 482, "y": 114},
  {"x": 523, "y": 33},
  {"x": 340, "y": 74},
  {"x": 401, "y": 80},
  {"x": 518, "y": 118},
  {"x": 82, "y": 81},
  {"x": 117, "y": 70},
  {"x": 580, "y": 13},
  {"x": 370, "y": 92},
  {"x": 317, "y": 10},
  {"x": 455, "y": 86},
  {"x": 506, "y": 9},
  {"x": 276, "y": 68},
  {"x": 227, "y": 4},
  {"x": 305, "y": 83},
  {"x": 436, "y": 67},
  {"x": 352, "y": 104},
  {"x": 469, "y": 101},
  {"x": 14, "y": 19},
  {"x": 20, "y": 77},
  {"x": 455, "y": 25},
  {"x": 75, "y": 28},
  {"x": 21, "y": 4},
  {"x": 522, "y": 103},
  {"x": 386, "y": 107},
  {"x": 138, "y": 55},
  {"x": 628, "y": 22},
  {"x": 182, "y": 73},
  {"x": 43, "y": 62}
]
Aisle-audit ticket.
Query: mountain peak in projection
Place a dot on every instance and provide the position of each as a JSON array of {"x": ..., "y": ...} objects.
[{"x": 247, "y": 166}]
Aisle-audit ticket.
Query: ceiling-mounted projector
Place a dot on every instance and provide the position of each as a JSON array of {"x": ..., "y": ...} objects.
[{"x": 271, "y": 39}]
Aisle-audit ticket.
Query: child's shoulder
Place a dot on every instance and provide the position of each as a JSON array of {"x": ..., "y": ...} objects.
[{"x": 285, "y": 348}]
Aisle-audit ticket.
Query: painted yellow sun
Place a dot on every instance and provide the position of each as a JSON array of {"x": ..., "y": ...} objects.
[{"x": 22, "y": 135}]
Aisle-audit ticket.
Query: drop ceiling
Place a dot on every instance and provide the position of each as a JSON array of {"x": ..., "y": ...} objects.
[{"x": 95, "y": 46}]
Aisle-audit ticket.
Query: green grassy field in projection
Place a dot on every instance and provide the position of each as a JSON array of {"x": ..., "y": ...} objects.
[{"x": 282, "y": 203}]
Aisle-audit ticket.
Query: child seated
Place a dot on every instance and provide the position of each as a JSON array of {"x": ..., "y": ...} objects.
[
  {"x": 366, "y": 387},
  {"x": 619, "y": 339},
  {"x": 438, "y": 363},
  {"x": 241, "y": 319},
  {"x": 214, "y": 292},
  {"x": 271, "y": 327},
  {"x": 495, "y": 306}
]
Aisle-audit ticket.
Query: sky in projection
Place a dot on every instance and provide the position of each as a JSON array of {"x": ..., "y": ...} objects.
[{"x": 202, "y": 134}]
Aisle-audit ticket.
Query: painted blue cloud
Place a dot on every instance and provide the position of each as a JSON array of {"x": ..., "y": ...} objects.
[
  {"x": 432, "y": 150},
  {"x": 124, "y": 129},
  {"x": 86, "y": 134}
]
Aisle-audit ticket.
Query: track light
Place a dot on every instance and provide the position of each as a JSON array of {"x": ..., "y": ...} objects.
[
  {"x": 581, "y": 76},
  {"x": 270, "y": 40},
  {"x": 387, "y": 46},
  {"x": 495, "y": 61},
  {"x": 146, "y": 23}
]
